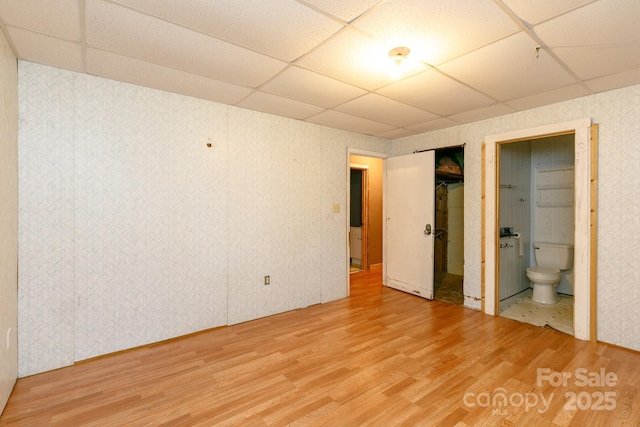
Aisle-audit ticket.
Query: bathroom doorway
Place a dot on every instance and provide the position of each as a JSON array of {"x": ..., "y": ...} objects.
[
  {"x": 535, "y": 204},
  {"x": 585, "y": 219}
]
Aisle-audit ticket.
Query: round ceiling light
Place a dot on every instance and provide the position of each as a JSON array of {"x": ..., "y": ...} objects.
[{"x": 398, "y": 54}]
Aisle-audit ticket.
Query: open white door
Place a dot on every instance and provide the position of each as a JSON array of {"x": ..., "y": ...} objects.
[{"x": 410, "y": 216}]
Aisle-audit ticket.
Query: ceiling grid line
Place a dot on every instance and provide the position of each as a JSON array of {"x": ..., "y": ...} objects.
[{"x": 541, "y": 45}]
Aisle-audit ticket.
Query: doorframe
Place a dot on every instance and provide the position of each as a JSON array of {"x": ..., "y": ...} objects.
[
  {"x": 364, "y": 241},
  {"x": 585, "y": 199},
  {"x": 364, "y": 153}
]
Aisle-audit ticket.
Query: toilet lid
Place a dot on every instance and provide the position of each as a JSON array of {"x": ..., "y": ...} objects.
[{"x": 543, "y": 270}]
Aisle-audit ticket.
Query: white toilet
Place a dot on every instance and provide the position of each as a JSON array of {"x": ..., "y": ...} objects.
[{"x": 551, "y": 259}]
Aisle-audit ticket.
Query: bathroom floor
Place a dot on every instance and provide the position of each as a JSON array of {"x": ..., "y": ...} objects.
[{"x": 558, "y": 316}]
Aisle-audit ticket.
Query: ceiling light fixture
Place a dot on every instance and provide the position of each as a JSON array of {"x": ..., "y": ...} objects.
[{"x": 398, "y": 55}]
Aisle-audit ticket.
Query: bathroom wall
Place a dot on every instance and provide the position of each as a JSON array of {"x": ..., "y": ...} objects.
[
  {"x": 8, "y": 220},
  {"x": 553, "y": 224},
  {"x": 132, "y": 230},
  {"x": 618, "y": 204},
  {"x": 515, "y": 211}
]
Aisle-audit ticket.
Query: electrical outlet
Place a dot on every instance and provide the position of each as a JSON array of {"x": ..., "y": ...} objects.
[
  {"x": 8, "y": 338},
  {"x": 267, "y": 280}
]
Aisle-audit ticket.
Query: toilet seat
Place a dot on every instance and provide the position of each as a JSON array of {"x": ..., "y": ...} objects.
[
  {"x": 541, "y": 269},
  {"x": 544, "y": 274}
]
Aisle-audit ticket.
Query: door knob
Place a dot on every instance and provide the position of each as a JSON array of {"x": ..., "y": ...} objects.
[{"x": 427, "y": 229}]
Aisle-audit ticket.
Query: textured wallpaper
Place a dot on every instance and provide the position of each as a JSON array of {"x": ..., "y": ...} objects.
[
  {"x": 150, "y": 215},
  {"x": 134, "y": 231},
  {"x": 618, "y": 200},
  {"x": 46, "y": 295},
  {"x": 8, "y": 219}
]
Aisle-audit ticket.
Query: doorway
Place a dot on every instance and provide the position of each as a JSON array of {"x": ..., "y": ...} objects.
[
  {"x": 450, "y": 241},
  {"x": 585, "y": 181},
  {"x": 535, "y": 206},
  {"x": 365, "y": 212},
  {"x": 359, "y": 218},
  {"x": 449, "y": 225}
]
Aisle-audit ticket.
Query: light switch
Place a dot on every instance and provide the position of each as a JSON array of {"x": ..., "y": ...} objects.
[{"x": 336, "y": 208}]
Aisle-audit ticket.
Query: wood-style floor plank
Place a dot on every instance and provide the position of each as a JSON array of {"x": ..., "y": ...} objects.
[{"x": 379, "y": 358}]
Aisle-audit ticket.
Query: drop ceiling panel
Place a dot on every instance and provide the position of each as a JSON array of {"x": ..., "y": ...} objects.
[
  {"x": 344, "y": 10},
  {"x": 509, "y": 69},
  {"x": 435, "y": 30},
  {"x": 60, "y": 18},
  {"x": 482, "y": 113},
  {"x": 119, "y": 30},
  {"x": 46, "y": 50},
  {"x": 609, "y": 44},
  {"x": 129, "y": 70},
  {"x": 278, "y": 105},
  {"x": 470, "y": 59},
  {"x": 435, "y": 92},
  {"x": 396, "y": 133},
  {"x": 615, "y": 81},
  {"x": 312, "y": 88},
  {"x": 534, "y": 12},
  {"x": 433, "y": 125},
  {"x": 358, "y": 60},
  {"x": 546, "y": 98},
  {"x": 336, "y": 119},
  {"x": 283, "y": 29},
  {"x": 380, "y": 109}
]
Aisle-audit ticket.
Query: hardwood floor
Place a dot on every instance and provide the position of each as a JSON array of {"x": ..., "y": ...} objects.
[{"x": 380, "y": 357}]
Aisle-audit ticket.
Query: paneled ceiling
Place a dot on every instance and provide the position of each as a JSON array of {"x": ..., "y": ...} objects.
[{"x": 327, "y": 62}]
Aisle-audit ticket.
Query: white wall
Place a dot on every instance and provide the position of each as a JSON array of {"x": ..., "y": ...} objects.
[
  {"x": 616, "y": 111},
  {"x": 515, "y": 211},
  {"x": 554, "y": 224},
  {"x": 134, "y": 231},
  {"x": 8, "y": 220}
]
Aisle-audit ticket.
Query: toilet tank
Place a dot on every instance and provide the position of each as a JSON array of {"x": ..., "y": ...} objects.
[{"x": 554, "y": 255}]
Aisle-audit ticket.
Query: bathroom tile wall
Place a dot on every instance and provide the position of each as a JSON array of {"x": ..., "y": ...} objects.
[{"x": 618, "y": 204}]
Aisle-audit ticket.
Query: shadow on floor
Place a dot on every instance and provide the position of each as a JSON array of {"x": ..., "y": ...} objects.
[{"x": 448, "y": 287}]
